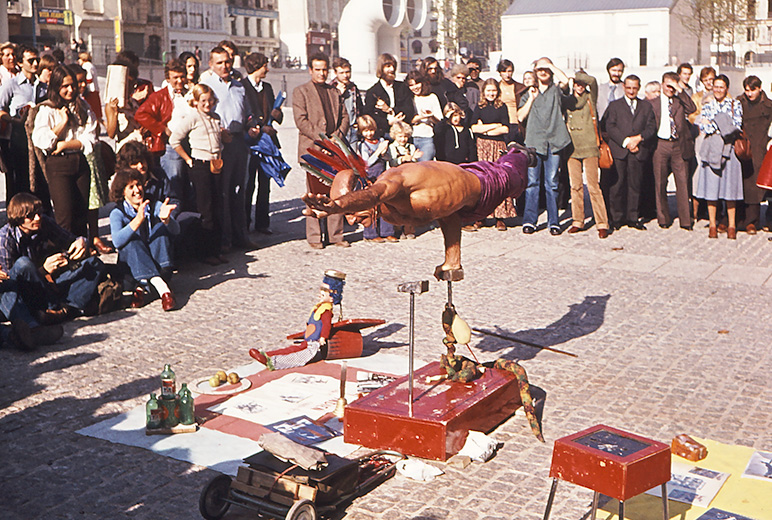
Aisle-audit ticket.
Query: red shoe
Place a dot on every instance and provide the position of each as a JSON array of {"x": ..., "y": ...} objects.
[
  {"x": 101, "y": 247},
  {"x": 258, "y": 356},
  {"x": 168, "y": 303},
  {"x": 138, "y": 298}
]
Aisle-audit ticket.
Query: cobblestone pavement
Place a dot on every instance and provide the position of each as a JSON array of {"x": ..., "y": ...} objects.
[{"x": 645, "y": 312}]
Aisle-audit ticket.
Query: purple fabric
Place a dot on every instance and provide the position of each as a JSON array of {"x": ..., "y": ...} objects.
[{"x": 507, "y": 177}]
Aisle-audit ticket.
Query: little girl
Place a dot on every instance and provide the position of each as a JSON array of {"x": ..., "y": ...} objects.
[
  {"x": 375, "y": 153},
  {"x": 455, "y": 142},
  {"x": 401, "y": 151},
  {"x": 202, "y": 130}
]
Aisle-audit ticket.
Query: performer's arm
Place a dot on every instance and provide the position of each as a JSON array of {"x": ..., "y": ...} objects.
[
  {"x": 321, "y": 206},
  {"x": 451, "y": 233},
  {"x": 326, "y": 319}
]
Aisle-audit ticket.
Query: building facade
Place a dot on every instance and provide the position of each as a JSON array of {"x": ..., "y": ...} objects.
[
  {"x": 582, "y": 34},
  {"x": 254, "y": 26}
]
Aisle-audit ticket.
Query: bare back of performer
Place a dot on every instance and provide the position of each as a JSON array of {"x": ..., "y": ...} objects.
[{"x": 417, "y": 194}]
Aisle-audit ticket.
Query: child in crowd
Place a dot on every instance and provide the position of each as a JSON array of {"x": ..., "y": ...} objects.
[
  {"x": 454, "y": 139},
  {"x": 375, "y": 153},
  {"x": 400, "y": 150}
]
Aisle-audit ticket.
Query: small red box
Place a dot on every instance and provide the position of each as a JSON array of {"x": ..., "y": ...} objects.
[
  {"x": 610, "y": 461},
  {"x": 443, "y": 413}
]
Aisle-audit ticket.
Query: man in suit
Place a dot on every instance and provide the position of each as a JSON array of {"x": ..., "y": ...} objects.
[
  {"x": 674, "y": 148},
  {"x": 318, "y": 110},
  {"x": 629, "y": 124},
  {"x": 613, "y": 89},
  {"x": 261, "y": 98},
  {"x": 389, "y": 100}
]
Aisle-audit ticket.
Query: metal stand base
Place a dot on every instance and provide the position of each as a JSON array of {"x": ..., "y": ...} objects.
[{"x": 595, "y": 496}]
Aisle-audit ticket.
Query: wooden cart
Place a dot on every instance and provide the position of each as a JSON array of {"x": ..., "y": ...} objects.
[{"x": 278, "y": 489}]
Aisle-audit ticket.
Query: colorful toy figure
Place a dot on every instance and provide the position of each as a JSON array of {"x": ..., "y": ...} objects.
[{"x": 318, "y": 329}]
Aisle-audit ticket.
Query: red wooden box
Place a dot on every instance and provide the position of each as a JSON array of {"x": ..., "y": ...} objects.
[
  {"x": 443, "y": 413},
  {"x": 610, "y": 461}
]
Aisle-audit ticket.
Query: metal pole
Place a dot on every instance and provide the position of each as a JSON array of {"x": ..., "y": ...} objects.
[
  {"x": 411, "y": 352},
  {"x": 34, "y": 24},
  {"x": 450, "y": 292}
]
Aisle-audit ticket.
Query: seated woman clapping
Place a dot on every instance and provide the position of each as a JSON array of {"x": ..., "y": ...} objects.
[{"x": 141, "y": 231}]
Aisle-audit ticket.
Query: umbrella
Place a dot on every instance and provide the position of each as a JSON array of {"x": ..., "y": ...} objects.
[{"x": 270, "y": 159}]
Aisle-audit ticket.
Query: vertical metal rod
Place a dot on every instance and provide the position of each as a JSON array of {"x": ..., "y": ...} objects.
[
  {"x": 594, "y": 514},
  {"x": 412, "y": 350},
  {"x": 665, "y": 508},
  {"x": 621, "y": 510},
  {"x": 450, "y": 292},
  {"x": 550, "y": 499}
]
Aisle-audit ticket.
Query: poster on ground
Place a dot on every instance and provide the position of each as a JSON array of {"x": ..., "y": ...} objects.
[{"x": 692, "y": 484}]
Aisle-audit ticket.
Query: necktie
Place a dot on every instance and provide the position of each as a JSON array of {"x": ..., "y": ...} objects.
[
  {"x": 673, "y": 130},
  {"x": 632, "y": 106},
  {"x": 612, "y": 92}
]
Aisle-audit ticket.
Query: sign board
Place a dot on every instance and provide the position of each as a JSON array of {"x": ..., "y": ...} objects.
[{"x": 52, "y": 16}]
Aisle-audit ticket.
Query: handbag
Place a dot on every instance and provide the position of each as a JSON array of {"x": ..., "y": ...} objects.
[
  {"x": 764, "y": 180},
  {"x": 605, "y": 161},
  {"x": 742, "y": 146}
]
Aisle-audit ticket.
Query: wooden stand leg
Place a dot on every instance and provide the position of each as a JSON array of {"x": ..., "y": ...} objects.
[
  {"x": 595, "y": 496},
  {"x": 550, "y": 499},
  {"x": 665, "y": 508},
  {"x": 621, "y": 510}
]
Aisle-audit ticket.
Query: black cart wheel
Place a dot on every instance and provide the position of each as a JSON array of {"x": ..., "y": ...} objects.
[
  {"x": 212, "y": 503},
  {"x": 302, "y": 510}
]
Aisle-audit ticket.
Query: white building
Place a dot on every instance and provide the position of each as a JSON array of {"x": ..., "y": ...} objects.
[
  {"x": 200, "y": 24},
  {"x": 587, "y": 33},
  {"x": 254, "y": 26}
]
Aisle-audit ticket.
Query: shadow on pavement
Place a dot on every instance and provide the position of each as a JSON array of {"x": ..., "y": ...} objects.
[{"x": 581, "y": 319}]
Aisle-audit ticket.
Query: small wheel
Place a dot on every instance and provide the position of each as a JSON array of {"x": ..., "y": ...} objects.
[
  {"x": 212, "y": 502},
  {"x": 302, "y": 510}
]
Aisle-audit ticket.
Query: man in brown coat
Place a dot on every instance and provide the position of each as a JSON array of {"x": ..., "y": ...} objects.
[
  {"x": 317, "y": 109},
  {"x": 757, "y": 116}
]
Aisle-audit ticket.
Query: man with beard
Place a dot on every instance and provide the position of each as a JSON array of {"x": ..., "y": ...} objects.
[
  {"x": 388, "y": 101},
  {"x": 757, "y": 116},
  {"x": 433, "y": 70},
  {"x": 613, "y": 89}
]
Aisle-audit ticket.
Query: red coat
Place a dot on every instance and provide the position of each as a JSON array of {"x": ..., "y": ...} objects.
[{"x": 153, "y": 115}]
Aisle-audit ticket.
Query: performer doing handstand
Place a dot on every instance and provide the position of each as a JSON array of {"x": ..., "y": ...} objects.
[{"x": 418, "y": 193}]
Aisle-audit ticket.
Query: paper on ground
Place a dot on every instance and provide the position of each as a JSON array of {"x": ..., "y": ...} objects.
[
  {"x": 220, "y": 451},
  {"x": 692, "y": 485}
]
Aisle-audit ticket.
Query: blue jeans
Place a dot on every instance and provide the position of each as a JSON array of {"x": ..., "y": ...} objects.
[
  {"x": 426, "y": 145},
  {"x": 174, "y": 168},
  {"x": 549, "y": 163},
  {"x": 147, "y": 259},
  {"x": 79, "y": 285},
  {"x": 381, "y": 228},
  {"x": 12, "y": 305}
]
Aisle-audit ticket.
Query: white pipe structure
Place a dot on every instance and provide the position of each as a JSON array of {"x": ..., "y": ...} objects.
[{"x": 365, "y": 32}]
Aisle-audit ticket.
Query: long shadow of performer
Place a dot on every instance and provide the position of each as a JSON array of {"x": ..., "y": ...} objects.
[{"x": 581, "y": 319}]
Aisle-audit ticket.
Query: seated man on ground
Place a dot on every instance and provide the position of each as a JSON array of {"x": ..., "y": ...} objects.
[
  {"x": 142, "y": 231},
  {"x": 25, "y": 332},
  {"x": 48, "y": 262},
  {"x": 414, "y": 194}
]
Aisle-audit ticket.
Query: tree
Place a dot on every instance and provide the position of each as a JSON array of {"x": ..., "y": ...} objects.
[
  {"x": 719, "y": 18},
  {"x": 479, "y": 22}
]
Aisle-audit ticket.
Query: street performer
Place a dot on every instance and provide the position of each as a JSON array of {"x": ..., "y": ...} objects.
[{"x": 415, "y": 194}]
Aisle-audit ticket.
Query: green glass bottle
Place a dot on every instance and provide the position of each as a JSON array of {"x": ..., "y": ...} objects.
[
  {"x": 170, "y": 412},
  {"x": 187, "y": 407},
  {"x": 168, "y": 383},
  {"x": 153, "y": 412}
]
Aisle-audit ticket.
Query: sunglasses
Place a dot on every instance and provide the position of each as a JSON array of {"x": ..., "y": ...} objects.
[
  {"x": 473, "y": 68},
  {"x": 32, "y": 60}
]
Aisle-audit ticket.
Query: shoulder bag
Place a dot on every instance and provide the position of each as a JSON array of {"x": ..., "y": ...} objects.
[
  {"x": 605, "y": 161},
  {"x": 742, "y": 145}
]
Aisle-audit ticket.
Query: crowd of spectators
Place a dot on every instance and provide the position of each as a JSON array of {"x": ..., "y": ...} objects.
[{"x": 185, "y": 162}]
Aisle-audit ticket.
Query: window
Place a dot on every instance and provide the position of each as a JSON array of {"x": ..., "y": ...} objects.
[
  {"x": 214, "y": 16},
  {"x": 246, "y": 26},
  {"x": 178, "y": 13},
  {"x": 272, "y": 28},
  {"x": 643, "y": 52},
  {"x": 750, "y": 34},
  {"x": 94, "y": 6},
  {"x": 259, "y": 27},
  {"x": 58, "y": 4},
  {"x": 233, "y": 26},
  {"x": 195, "y": 15}
]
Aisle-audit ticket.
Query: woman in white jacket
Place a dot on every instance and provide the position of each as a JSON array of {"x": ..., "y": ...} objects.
[{"x": 65, "y": 129}]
